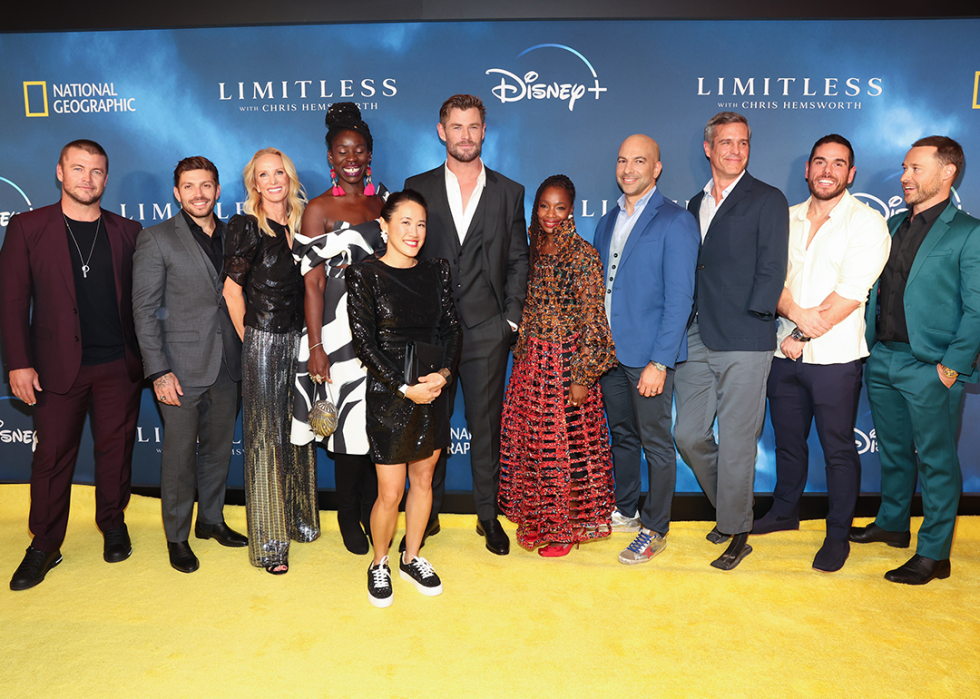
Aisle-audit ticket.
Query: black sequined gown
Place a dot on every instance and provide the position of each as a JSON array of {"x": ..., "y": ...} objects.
[{"x": 389, "y": 307}]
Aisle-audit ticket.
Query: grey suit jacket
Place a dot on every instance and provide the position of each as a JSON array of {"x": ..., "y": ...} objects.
[{"x": 182, "y": 322}]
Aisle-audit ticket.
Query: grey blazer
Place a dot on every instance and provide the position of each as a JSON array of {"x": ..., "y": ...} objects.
[{"x": 182, "y": 322}]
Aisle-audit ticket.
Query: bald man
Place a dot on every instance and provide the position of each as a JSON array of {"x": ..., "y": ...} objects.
[{"x": 649, "y": 248}]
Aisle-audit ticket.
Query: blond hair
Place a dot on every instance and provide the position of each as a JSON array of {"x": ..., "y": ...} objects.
[{"x": 295, "y": 201}]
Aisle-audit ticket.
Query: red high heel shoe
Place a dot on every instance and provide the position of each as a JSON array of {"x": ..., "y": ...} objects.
[{"x": 554, "y": 550}]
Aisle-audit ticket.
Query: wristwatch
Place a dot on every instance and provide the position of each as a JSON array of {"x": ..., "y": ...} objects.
[
  {"x": 947, "y": 372},
  {"x": 659, "y": 367},
  {"x": 798, "y": 335}
]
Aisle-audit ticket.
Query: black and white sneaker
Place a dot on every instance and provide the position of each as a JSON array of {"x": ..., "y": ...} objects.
[
  {"x": 420, "y": 572},
  {"x": 379, "y": 584}
]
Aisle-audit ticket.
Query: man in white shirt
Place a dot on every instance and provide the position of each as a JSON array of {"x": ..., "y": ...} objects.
[
  {"x": 837, "y": 249},
  {"x": 476, "y": 221}
]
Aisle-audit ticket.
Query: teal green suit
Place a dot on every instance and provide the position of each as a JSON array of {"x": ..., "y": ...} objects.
[{"x": 916, "y": 417}]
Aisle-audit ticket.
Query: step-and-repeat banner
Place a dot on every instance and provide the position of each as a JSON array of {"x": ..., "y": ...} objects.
[{"x": 560, "y": 97}]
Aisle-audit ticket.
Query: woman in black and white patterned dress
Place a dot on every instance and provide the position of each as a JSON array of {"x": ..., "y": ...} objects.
[{"x": 340, "y": 227}]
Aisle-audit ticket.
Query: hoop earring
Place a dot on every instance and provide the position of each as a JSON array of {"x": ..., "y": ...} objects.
[
  {"x": 335, "y": 189},
  {"x": 368, "y": 186}
]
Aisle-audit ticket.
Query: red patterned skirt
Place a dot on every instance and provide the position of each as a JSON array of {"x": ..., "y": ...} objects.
[{"x": 556, "y": 479}]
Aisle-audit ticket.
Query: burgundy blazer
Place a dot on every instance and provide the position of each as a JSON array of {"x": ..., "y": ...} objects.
[{"x": 35, "y": 266}]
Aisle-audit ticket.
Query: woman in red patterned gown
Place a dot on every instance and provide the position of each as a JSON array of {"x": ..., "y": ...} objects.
[{"x": 555, "y": 465}]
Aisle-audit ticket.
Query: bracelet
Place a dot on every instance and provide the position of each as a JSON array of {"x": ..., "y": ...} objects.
[
  {"x": 659, "y": 367},
  {"x": 947, "y": 372},
  {"x": 313, "y": 347}
]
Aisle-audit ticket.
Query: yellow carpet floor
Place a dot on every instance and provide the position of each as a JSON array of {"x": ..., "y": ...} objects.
[{"x": 515, "y": 626}]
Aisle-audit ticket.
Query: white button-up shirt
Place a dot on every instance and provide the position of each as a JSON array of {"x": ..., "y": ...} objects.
[
  {"x": 846, "y": 255},
  {"x": 709, "y": 207},
  {"x": 463, "y": 217}
]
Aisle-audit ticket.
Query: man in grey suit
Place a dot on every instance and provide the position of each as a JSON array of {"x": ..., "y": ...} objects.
[
  {"x": 732, "y": 334},
  {"x": 192, "y": 354},
  {"x": 476, "y": 221}
]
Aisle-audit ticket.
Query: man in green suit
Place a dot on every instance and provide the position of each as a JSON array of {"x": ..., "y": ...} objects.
[{"x": 923, "y": 327}]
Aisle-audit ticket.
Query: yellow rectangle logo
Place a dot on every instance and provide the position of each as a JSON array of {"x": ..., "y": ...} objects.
[
  {"x": 38, "y": 99},
  {"x": 976, "y": 88}
]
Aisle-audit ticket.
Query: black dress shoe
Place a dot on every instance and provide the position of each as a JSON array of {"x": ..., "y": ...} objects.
[
  {"x": 736, "y": 551},
  {"x": 222, "y": 533},
  {"x": 181, "y": 557},
  {"x": 33, "y": 568},
  {"x": 117, "y": 546},
  {"x": 919, "y": 570},
  {"x": 355, "y": 540},
  {"x": 832, "y": 555},
  {"x": 771, "y": 523},
  {"x": 431, "y": 529},
  {"x": 717, "y": 537},
  {"x": 497, "y": 541},
  {"x": 873, "y": 533}
]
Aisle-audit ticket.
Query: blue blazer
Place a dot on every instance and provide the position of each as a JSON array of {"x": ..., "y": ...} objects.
[
  {"x": 654, "y": 287},
  {"x": 741, "y": 269},
  {"x": 942, "y": 294}
]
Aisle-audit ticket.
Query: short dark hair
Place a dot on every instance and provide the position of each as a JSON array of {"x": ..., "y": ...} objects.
[
  {"x": 462, "y": 102},
  {"x": 346, "y": 116},
  {"x": 948, "y": 151},
  {"x": 397, "y": 199},
  {"x": 838, "y": 139},
  {"x": 195, "y": 162},
  {"x": 87, "y": 146},
  {"x": 722, "y": 118}
]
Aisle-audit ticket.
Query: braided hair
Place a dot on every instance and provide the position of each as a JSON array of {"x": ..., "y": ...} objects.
[
  {"x": 346, "y": 116},
  {"x": 534, "y": 230}
]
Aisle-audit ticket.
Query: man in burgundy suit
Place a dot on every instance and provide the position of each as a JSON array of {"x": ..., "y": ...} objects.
[{"x": 75, "y": 351}]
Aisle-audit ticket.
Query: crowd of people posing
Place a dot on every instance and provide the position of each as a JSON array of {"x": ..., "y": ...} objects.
[{"x": 365, "y": 310}]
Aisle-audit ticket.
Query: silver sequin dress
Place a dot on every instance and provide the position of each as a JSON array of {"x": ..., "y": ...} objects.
[{"x": 280, "y": 477}]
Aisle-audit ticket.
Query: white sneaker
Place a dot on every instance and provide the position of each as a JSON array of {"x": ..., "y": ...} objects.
[{"x": 625, "y": 525}]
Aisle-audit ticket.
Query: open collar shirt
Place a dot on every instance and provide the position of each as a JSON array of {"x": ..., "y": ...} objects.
[
  {"x": 846, "y": 255},
  {"x": 463, "y": 217},
  {"x": 709, "y": 207}
]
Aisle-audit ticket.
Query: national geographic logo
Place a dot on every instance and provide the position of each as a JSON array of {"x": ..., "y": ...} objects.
[
  {"x": 74, "y": 98},
  {"x": 976, "y": 89}
]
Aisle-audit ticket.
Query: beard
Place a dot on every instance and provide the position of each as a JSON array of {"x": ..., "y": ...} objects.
[
  {"x": 828, "y": 195},
  {"x": 924, "y": 192},
  {"x": 463, "y": 156},
  {"x": 86, "y": 199}
]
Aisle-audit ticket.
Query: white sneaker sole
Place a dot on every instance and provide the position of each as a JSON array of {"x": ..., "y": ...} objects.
[
  {"x": 427, "y": 591},
  {"x": 381, "y": 602}
]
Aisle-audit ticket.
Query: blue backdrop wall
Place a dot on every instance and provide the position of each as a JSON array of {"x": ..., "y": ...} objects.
[{"x": 560, "y": 97}]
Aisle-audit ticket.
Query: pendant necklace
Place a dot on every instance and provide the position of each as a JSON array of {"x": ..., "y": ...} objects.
[{"x": 85, "y": 267}]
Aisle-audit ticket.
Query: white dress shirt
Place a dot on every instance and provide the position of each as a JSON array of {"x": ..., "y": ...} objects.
[
  {"x": 463, "y": 217},
  {"x": 846, "y": 255},
  {"x": 709, "y": 207}
]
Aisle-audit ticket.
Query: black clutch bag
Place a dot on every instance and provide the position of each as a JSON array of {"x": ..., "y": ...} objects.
[{"x": 421, "y": 358}]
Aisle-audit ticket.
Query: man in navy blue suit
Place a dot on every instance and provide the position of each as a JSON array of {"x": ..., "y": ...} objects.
[
  {"x": 649, "y": 247},
  {"x": 732, "y": 336}
]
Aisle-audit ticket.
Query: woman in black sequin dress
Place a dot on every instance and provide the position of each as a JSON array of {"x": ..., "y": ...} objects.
[
  {"x": 264, "y": 293},
  {"x": 393, "y": 301}
]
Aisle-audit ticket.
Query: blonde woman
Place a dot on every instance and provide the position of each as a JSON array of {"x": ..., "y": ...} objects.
[{"x": 264, "y": 292}]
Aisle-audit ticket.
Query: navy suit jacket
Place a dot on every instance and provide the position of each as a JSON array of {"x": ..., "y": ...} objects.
[
  {"x": 654, "y": 288},
  {"x": 742, "y": 267}
]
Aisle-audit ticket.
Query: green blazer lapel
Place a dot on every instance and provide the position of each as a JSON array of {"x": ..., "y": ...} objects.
[{"x": 936, "y": 233}]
